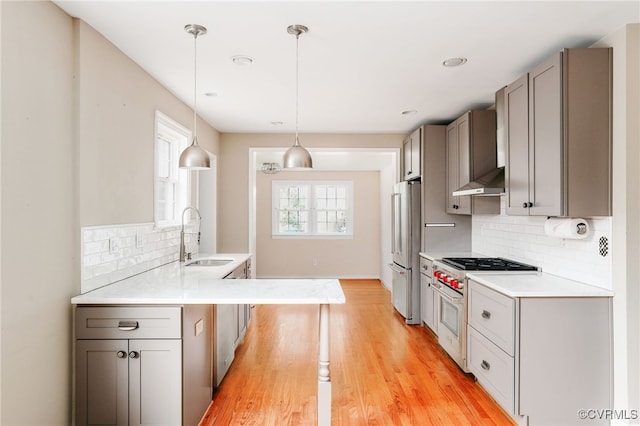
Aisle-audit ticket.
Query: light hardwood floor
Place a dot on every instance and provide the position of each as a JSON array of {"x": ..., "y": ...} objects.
[{"x": 383, "y": 372}]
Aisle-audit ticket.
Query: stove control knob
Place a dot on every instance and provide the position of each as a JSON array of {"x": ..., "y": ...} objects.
[
  {"x": 447, "y": 279},
  {"x": 460, "y": 285},
  {"x": 437, "y": 274},
  {"x": 454, "y": 283}
]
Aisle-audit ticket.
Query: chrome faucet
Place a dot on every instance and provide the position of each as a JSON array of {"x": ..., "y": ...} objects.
[{"x": 183, "y": 253}]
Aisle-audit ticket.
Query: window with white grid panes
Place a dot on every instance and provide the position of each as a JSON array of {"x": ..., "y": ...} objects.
[
  {"x": 312, "y": 209},
  {"x": 172, "y": 184}
]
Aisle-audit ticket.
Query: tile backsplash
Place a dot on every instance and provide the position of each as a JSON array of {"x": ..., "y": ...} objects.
[
  {"x": 111, "y": 253},
  {"x": 522, "y": 238}
]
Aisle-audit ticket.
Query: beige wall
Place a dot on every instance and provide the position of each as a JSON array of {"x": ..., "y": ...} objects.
[
  {"x": 358, "y": 257},
  {"x": 117, "y": 101},
  {"x": 77, "y": 149},
  {"x": 233, "y": 184},
  {"x": 39, "y": 232}
]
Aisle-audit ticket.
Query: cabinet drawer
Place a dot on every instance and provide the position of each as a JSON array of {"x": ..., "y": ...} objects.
[
  {"x": 135, "y": 322},
  {"x": 493, "y": 314},
  {"x": 426, "y": 266},
  {"x": 494, "y": 369}
]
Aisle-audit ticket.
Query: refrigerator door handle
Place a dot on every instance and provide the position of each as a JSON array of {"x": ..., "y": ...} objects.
[
  {"x": 397, "y": 269},
  {"x": 395, "y": 225}
]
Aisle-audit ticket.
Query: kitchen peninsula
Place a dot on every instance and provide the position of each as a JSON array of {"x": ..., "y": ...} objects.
[{"x": 177, "y": 286}]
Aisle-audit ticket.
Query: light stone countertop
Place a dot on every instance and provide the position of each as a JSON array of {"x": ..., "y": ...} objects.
[
  {"x": 536, "y": 284},
  {"x": 176, "y": 283}
]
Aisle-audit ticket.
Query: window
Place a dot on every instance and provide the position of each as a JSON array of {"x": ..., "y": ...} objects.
[
  {"x": 172, "y": 184},
  {"x": 320, "y": 209}
]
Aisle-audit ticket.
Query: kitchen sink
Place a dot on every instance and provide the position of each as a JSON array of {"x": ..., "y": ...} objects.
[{"x": 210, "y": 262}]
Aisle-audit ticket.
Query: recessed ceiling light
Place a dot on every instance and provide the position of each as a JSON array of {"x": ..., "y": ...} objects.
[
  {"x": 242, "y": 60},
  {"x": 454, "y": 62},
  {"x": 409, "y": 112},
  {"x": 211, "y": 94}
]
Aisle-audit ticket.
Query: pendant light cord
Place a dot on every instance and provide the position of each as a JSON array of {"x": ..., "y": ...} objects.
[
  {"x": 195, "y": 83},
  {"x": 297, "y": 85}
]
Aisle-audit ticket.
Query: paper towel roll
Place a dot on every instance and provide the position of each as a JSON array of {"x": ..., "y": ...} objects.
[{"x": 566, "y": 228}]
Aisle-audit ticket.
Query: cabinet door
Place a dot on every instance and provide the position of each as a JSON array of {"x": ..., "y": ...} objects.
[
  {"x": 516, "y": 117},
  {"x": 452, "y": 167},
  {"x": 225, "y": 329},
  {"x": 545, "y": 137},
  {"x": 416, "y": 152},
  {"x": 464, "y": 161},
  {"x": 155, "y": 382},
  {"x": 241, "y": 323},
  {"x": 406, "y": 158},
  {"x": 411, "y": 155},
  {"x": 427, "y": 303},
  {"x": 102, "y": 382}
]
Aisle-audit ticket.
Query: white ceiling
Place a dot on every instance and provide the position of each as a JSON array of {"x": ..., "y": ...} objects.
[{"x": 361, "y": 63}]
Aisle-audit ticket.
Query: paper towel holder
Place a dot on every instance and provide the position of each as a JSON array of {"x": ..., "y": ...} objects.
[{"x": 582, "y": 228}]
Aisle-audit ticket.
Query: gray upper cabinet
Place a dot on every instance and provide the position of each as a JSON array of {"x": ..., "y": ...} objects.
[
  {"x": 456, "y": 205},
  {"x": 558, "y": 136},
  {"x": 471, "y": 153},
  {"x": 516, "y": 125},
  {"x": 411, "y": 149}
]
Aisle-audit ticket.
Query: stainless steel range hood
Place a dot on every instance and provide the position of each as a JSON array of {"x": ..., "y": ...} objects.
[{"x": 491, "y": 183}]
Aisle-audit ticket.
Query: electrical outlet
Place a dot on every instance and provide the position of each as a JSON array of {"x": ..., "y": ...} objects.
[
  {"x": 314, "y": 262},
  {"x": 139, "y": 241},
  {"x": 199, "y": 327}
]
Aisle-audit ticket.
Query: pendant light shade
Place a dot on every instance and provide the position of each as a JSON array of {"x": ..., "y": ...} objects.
[
  {"x": 297, "y": 157},
  {"x": 195, "y": 157}
]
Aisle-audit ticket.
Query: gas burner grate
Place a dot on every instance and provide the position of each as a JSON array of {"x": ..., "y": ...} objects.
[{"x": 487, "y": 264}]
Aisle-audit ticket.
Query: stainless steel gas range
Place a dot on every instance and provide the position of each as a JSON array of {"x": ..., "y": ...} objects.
[{"x": 450, "y": 284}]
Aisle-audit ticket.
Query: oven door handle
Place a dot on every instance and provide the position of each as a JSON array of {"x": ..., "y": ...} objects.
[{"x": 452, "y": 300}]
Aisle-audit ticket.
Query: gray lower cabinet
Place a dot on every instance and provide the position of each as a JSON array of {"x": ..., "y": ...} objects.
[
  {"x": 428, "y": 302},
  {"x": 231, "y": 322},
  {"x": 541, "y": 358},
  {"x": 558, "y": 136},
  {"x": 130, "y": 369}
]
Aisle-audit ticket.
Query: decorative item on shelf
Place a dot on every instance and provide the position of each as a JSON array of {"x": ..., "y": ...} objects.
[
  {"x": 195, "y": 157},
  {"x": 270, "y": 168},
  {"x": 297, "y": 156}
]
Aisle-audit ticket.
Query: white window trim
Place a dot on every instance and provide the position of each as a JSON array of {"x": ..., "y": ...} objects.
[
  {"x": 184, "y": 177},
  {"x": 313, "y": 235}
]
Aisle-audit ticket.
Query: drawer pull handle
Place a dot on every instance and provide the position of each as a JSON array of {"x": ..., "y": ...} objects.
[
  {"x": 121, "y": 354},
  {"x": 486, "y": 314},
  {"x": 133, "y": 354},
  {"x": 127, "y": 325},
  {"x": 485, "y": 365}
]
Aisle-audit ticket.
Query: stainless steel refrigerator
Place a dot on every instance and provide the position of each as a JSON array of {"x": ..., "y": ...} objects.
[{"x": 405, "y": 218}]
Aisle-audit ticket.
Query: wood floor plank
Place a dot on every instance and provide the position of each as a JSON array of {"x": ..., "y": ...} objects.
[{"x": 383, "y": 372}]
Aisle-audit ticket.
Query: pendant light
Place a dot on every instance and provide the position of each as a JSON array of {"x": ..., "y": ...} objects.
[
  {"x": 296, "y": 156},
  {"x": 194, "y": 157}
]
